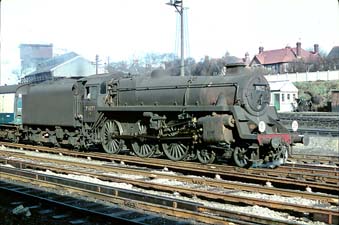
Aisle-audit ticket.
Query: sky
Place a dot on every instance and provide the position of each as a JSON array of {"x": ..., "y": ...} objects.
[{"x": 127, "y": 29}]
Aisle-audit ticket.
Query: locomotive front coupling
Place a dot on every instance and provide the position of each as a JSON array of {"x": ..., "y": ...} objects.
[{"x": 277, "y": 139}]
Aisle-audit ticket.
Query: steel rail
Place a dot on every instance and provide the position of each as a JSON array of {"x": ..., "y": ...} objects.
[
  {"x": 334, "y": 159},
  {"x": 187, "y": 191},
  {"x": 188, "y": 179},
  {"x": 313, "y": 123},
  {"x": 135, "y": 200},
  {"x": 318, "y": 131},
  {"x": 290, "y": 178},
  {"x": 68, "y": 209},
  {"x": 328, "y": 171}
]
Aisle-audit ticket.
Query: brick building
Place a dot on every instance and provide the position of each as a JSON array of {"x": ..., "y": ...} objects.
[{"x": 286, "y": 59}]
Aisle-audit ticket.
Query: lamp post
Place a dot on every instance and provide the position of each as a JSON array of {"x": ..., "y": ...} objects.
[{"x": 178, "y": 4}]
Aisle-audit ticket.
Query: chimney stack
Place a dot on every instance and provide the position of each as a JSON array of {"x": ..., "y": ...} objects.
[
  {"x": 246, "y": 60},
  {"x": 316, "y": 48},
  {"x": 298, "y": 49},
  {"x": 261, "y": 49}
]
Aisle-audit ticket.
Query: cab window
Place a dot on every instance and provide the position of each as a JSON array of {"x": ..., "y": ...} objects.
[
  {"x": 91, "y": 92},
  {"x": 103, "y": 88}
]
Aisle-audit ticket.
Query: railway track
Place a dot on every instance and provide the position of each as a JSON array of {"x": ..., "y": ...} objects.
[
  {"x": 132, "y": 199},
  {"x": 313, "y": 122},
  {"x": 316, "y": 159},
  {"x": 322, "y": 115},
  {"x": 58, "y": 208},
  {"x": 318, "y": 131},
  {"x": 212, "y": 193},
  {"x": 127, "y": 204},
  {"x": 289, "y": 177}
]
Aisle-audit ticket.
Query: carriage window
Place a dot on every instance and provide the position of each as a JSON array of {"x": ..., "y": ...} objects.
[
  {"x": 282, "y": 97},
  {"x": 288, "y": 96},
  {"x": 103, "y": 88}
]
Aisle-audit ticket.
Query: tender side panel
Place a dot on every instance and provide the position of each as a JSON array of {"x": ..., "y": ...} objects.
[{"x": 50, "y": 104}]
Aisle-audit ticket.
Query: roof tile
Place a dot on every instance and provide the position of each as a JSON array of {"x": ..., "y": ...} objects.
[{"x": 284, "y": 55}]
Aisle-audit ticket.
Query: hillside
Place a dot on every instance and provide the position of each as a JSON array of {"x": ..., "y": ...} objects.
[{"x": 321, "y": 88}]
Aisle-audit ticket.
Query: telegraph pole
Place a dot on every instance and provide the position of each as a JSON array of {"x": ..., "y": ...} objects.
[
  {"x": 96, "y": 64},
  {"x": 178, "y": 4}
]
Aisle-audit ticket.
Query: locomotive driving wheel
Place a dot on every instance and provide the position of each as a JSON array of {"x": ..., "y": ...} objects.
[
  {"x": 239, "y": 157},
  {"x": 143, "y": 150},
  {"x": 206, "y": 156},
  {"x": 109, "y": 131},
  {"x": 175, "y": 151}
]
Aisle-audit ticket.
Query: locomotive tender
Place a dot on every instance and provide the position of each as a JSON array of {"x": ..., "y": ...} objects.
[{"x": 191, "y": 117}]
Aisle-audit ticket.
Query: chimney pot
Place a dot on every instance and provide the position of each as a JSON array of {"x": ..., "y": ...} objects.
[
  {"x": 247, "y": 58},
  {"x": 298, "y": 49},
  {"x": 261, "y": 49},
  {"x": 316, "y": 48}
]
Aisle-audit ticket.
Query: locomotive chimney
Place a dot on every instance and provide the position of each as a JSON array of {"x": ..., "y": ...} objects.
[
  {"x": 298, "y": 49},
  {"x": 261, "y": 49},
  {"x": 316, "y": 48}
]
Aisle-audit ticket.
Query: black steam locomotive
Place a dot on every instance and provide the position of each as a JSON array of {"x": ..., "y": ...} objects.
[{"x": 184, "y": 118}]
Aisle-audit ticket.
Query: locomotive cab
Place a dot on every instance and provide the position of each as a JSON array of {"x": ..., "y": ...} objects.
[{"x": 89, "y": 94}]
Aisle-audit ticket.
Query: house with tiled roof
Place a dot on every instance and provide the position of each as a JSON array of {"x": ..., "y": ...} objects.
[{"x": 286, "y": 59}]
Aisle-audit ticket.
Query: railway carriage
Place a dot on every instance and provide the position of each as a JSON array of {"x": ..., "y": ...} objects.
[
  {"x": 10, "y": 111},
  {"x": 7, "y": 104},
  {"x": 200, "y": 117}
]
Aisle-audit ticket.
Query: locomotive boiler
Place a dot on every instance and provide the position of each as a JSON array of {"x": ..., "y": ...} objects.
[{"x": 183, "y": 118}]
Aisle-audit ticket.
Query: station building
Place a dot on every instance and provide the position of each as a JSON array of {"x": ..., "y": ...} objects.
[
  {"x": 283, "y": 95},
  {"x": 67, "y": 65}
]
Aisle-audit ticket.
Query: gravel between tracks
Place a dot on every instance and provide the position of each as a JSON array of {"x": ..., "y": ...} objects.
[
  {"x": 256, "y": 210},
  {"x": 317, "y": 146}
]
